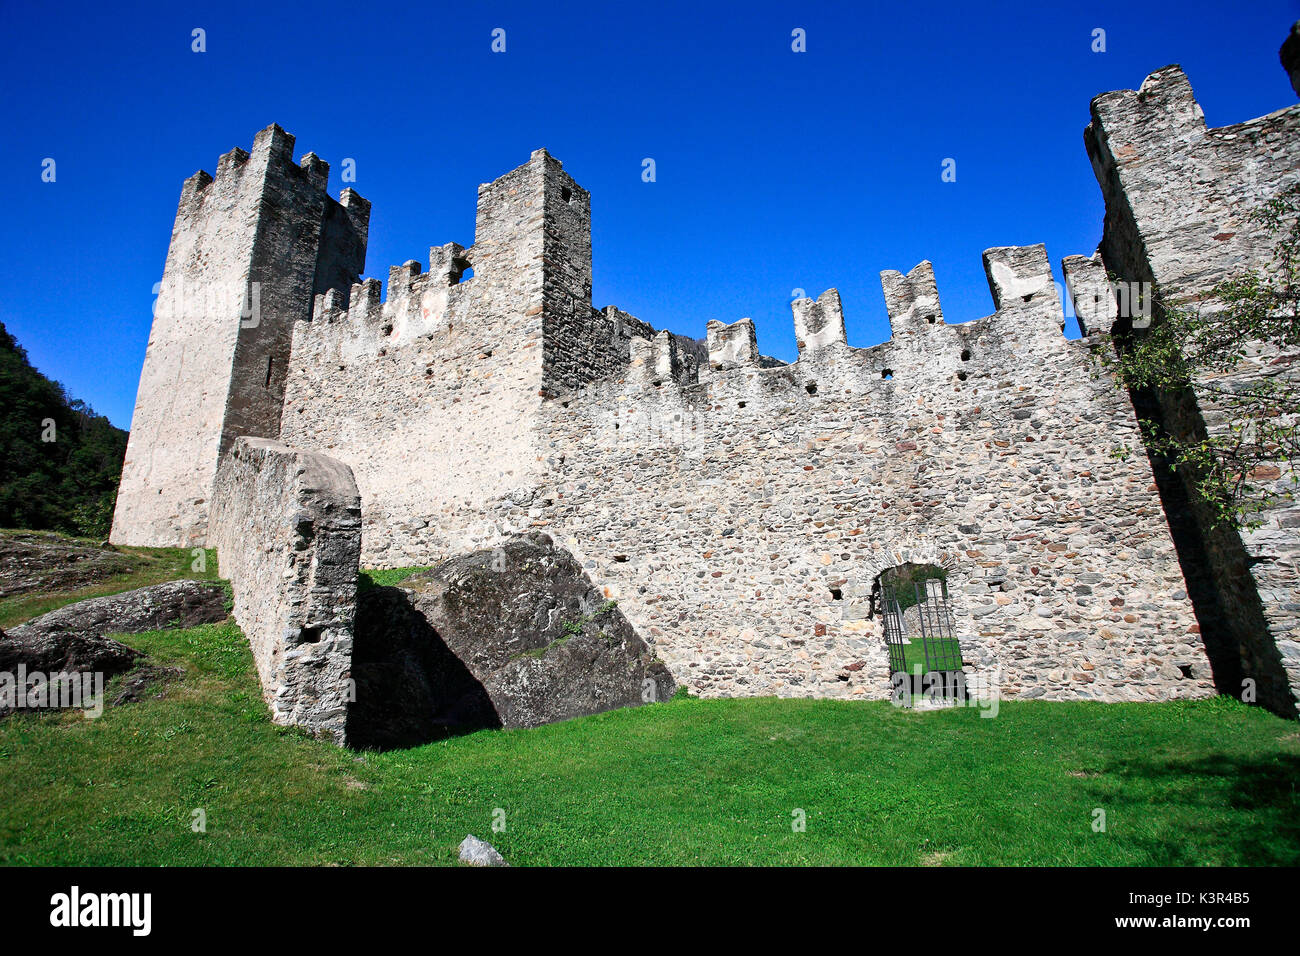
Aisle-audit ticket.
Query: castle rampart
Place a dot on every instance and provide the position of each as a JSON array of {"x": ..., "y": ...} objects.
[
  {"x": 1179, "y": 201},
  {"x": 741, "y": 509},
  {"x": 985, "y": 447}
]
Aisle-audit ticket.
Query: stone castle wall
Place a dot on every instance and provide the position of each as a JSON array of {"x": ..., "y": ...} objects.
[
  {"x": 432, "y": 397},
  {"x": 738, "y": 508},
  {"x": 986, "y": 447},
  {"x": 429, "y": 396},
  {"x": 1179, "y": 200},
  {"x": 285, "y": 525}
]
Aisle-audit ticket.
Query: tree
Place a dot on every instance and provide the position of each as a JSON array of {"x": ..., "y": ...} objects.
[{"x": 68, "y": 484}]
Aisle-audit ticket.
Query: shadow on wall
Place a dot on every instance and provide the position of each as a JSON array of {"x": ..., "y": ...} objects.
[{"x": 410, "y": 688}]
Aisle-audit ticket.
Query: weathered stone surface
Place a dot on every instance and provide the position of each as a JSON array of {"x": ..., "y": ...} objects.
[
  {"x": 53, "y": 652},
  {"x": 819, "y": 323},
  {"x": 249, "y": 249},
  {"x": 72, "y": 639},
  {"x": 1179, "y": 200},
  {"x": 1091, "y": 293},
  {"x": 514, "y": 636},
  {"x": 170, "y": 604},
  {"x": 287, "y": 528},
  {"x": 476, "y": 852},
  {"x": 732, "y": 346},
  {"x": 37, "y": 561}
]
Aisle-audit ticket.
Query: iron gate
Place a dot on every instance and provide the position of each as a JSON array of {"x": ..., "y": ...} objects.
[{"x": 932, "y": 629}]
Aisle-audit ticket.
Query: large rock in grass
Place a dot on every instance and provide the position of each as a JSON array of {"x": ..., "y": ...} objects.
[
  {"x": 171, "y": 604},
  {"x": 43, "y": 561},
  {"x": 513, "y": 636},
  {"x": 72, "y": 639},
  {"x": 55, "y": 652}
]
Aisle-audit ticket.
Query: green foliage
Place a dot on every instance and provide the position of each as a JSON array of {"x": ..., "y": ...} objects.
[
  {"x": 904, "y": 580},
  {"x": 1233, "y": 468},
  {"x": 68, "y": 484},
  {"x": 691, "y": 782}
]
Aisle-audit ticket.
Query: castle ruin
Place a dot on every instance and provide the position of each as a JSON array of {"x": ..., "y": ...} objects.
[{"x": 739, "y": 509}]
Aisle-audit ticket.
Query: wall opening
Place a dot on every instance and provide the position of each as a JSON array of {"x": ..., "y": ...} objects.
[
  {"x": 925, "y": 658},
  {"x": 461, "y": 270}
]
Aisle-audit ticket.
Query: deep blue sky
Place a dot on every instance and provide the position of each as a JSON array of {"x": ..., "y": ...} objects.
[{"x": 776, "y": 170}]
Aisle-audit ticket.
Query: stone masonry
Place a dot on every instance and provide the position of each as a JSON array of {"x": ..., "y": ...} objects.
[
  {"x": 1179, "y": 197},
  {"x": 286, "y": 525},
  {"x": 249, "y": 249},
  {"x": 738, "y": 508}
]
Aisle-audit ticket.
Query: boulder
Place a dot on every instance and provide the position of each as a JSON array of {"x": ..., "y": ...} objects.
[
  {"x": 513, "y": 636},
  {"x": 43, "y": 561},
  {"x": 476, "y": 852},
  {"x": 72, "y": 639},
  {"x": 170, "y": 604}
]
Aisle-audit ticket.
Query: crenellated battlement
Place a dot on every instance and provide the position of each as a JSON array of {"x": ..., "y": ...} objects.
[
  {"x": 739, "y": 508},
  {"x": 924, "y": 352},
  {"x": 819, "y": 324},
  {"x": 912, "y": 300}
]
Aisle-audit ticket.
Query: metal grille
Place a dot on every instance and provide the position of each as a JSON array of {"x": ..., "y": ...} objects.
[
  {"x": 894, "y": 637},
  {"x": 942, "y": 652},
  {"x": 932, "y": 634}
]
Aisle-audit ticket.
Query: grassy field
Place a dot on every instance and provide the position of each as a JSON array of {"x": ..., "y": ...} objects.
[
  {"x": 141, "y": 567},
  {"x": 686, "y": 782},
  {"x": 946, "y": 650}
]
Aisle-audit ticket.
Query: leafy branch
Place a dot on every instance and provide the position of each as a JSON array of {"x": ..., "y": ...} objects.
[{"x": 1237, "y": 349}]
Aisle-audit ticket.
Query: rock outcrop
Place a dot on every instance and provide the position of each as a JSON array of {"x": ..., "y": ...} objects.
[
  {"x": 170, "y": 604},
  {"x": 72, "y": 639},
  {"x": 37, "y": 561},
  {"x": 513, "y": 636}
]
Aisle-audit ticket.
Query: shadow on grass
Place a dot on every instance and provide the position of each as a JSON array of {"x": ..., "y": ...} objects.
[
  {"x": 1263, "y": 793},
  {"x": 410, "y": 688}
]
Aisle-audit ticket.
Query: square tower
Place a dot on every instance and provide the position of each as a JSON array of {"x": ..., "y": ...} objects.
[{"x": 249, "y": 248}]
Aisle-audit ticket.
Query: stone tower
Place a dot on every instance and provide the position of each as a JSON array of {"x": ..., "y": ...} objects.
[
  {"x": 249, "y": 249},
  {"x": 432, "y": 395},
  {"x": 1179, "y": 200}
]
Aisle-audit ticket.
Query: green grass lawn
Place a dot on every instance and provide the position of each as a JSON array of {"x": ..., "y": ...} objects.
[
  {"x": 143, "y": 566},
  {"x": 686, "y": 782},
  {"x": 944, "y": 649},
  {"x": 386, "y": 578}
]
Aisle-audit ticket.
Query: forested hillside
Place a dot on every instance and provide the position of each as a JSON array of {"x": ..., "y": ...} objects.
[{"x": 59, "y": 461}]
